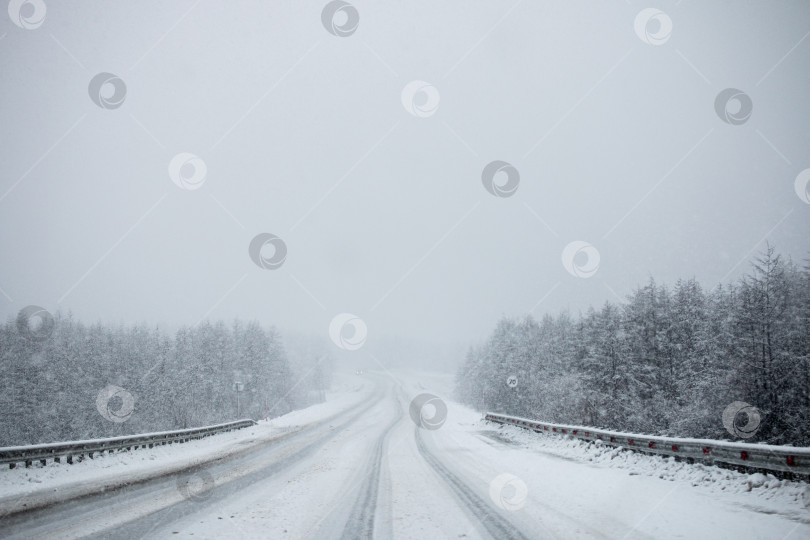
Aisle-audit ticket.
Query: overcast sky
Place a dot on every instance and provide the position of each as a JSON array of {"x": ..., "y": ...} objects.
[{"x": 378, "y": 197}]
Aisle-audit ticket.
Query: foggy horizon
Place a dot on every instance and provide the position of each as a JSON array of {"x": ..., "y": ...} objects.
[{"x": 304, "y": 135}]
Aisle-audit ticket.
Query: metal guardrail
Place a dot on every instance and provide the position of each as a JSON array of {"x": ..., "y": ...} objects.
[
  {"x": 782, "y": 459},
  {"x": 79, "y": 449}
]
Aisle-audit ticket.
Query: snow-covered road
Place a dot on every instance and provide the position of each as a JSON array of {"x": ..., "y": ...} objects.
[{"x": 360, "y": 468}]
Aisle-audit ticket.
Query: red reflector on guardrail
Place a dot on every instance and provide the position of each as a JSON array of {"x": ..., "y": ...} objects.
[
  {"x": 706, "y": 450},
  {"x": 791, "y": 460},
  {"x": 545, "y": 427},
  {"x": 630, "y": 442},
  {"x": 613, "y": 439},
  {"x": 743, "y": 455},
  {"x": 651, "y": 444},
  {"x": 674, "y": 447},
  {"x": 574, "y": 432}
]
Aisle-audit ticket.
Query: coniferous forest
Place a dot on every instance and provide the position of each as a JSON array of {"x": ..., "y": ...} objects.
[
  {"x": 94, "y": 381},
  {"x": 667, "y": 362}
]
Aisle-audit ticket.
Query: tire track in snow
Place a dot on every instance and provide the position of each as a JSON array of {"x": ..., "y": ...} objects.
[
  {"x": 154, "y": 501},
  {"x": 495, "y": 524},
  {"x": 362, "y": 516},
  {"x": 232, "y": 488}
]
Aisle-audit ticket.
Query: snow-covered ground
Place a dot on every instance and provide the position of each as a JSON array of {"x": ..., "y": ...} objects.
[
  {"x": 581, "y": 490},
  {"x": 37, "y": 486},
  {"x": 782, "y": 496},
  {"x": 357, "y": 466}
]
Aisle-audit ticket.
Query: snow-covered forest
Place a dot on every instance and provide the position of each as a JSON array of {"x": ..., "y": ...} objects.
[
  {"x": 666, "y": 362},
  {"x": 54, "y": 389}
]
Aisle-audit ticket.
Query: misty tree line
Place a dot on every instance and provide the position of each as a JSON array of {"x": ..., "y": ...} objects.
[
  {"x": 668, "y": 362},
  {"x": 49, "y": 389}
]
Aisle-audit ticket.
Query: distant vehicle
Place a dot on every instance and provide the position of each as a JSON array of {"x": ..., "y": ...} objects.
[{"x": 359, "y": 372}]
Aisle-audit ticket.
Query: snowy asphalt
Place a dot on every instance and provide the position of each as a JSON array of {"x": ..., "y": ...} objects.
[{"x": 366, "y": 471}]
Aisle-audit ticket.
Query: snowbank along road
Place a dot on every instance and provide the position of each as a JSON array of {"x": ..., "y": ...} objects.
[{"x": 362, "y": 466}]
